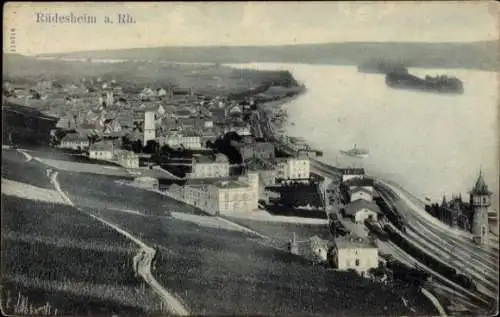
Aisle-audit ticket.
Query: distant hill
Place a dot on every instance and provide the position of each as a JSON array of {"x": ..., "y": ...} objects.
[{"x": 473, "y": 55}]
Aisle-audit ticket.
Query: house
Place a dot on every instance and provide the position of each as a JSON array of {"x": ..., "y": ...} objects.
[
  {"x": 293, "y": 168},
  {"x": 147, "y": 94},
  {"x": 221, "y": 196},
  {"x": 234, "y": 110},
  {"x": 206, "y": 167},
  {"x": 359, "y": 254},
  {"x": 187, "y": 123},
  {"x": 87, "y": 129},
  {"x": 66, "y": 122},
  {"x": 208, "y": 124},
  {"x": 182, "y": 114},
  {"x": 349, "y": 173},
  {"x": 262, "y": 150},
  {"x": 240, "y": 130},
  {"x": 267, "y": 176},
  {"x": 102, "y": 151},
  {"x": 74, "y": 141},
  {"x": 156, "y": 108},
  {"x": 161, "y": 92},
  {"x": 188, "y": 140},
  {"x": 361, "y": 210},
  {"x": 361, "y": 193},
  {"x": 237, "y": 196},
  {"x": 111, "y": 126},
  {"x": 218, "y": 116},
  {"x": 126, "y": 159},
  {"x": 363, "y": 182}
]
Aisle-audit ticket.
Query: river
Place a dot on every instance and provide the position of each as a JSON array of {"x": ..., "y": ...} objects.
[{"x": 430, "y": 144}]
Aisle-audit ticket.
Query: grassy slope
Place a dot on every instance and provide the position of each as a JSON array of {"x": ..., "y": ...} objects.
[
  {"x": 50, "y": 249},
  {"x": 220, "y": 272}
]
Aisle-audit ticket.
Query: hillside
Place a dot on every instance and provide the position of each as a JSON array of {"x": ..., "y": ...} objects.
[
  {"x": 473, "y": 55},
  {"x": 133, "y": 76}
]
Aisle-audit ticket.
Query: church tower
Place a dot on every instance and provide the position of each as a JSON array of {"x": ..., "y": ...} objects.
[{"x": 480, "y": 201}]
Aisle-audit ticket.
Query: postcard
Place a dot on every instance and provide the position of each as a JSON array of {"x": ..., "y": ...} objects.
[{"x": 250, "y": 159}]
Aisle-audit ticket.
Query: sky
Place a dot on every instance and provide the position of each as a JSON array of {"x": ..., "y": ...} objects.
[{"x": 246, "y": 23}]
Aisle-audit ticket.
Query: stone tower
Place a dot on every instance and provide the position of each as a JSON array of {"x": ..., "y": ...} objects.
[
  {"x": 109, "y": 98},
  {"x": 149, "y": 126},
  {"x": 480, "y": 201}
]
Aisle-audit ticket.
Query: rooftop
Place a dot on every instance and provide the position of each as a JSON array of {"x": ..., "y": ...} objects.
[
  {"x": 480, "y": 188},
  {"x": 353, "y": 171},
  {"x": 102, "y": 146},
  {"x": 353, "y": 242},
  {"x": 360, "y": 189},
  {"x": 359, "y": 182},
  {"x": 359, "y": 204},
  {"x": 230, "y": 184},
  {"x": 74, "y": 137},
  {"x": 203, "y": 159}
]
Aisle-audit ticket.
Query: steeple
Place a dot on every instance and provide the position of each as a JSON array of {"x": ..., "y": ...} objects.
[
  {"x": 444, "y": 203},
  {"x": 480, "y": 188}
]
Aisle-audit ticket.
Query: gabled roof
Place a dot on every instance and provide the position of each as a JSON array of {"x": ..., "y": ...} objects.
[
  {"x": 74, "y": 137},
  {"x": 360, "y": 189},
  {"x": 353, "y": 171},
  {"x": 355, "y": 206},
  {"x": 359, "y": 182},
  {"x": 101, "y": 146},
  {"x": 352, "y": 242}
]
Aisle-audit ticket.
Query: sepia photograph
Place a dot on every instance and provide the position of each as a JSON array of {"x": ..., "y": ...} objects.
[{"x": 308, "y": 158}]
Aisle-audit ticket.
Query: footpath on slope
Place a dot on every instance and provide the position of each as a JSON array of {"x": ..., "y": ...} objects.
[
  {"x": 27, "y": 191},
  {"x": 144, "y": 269}
]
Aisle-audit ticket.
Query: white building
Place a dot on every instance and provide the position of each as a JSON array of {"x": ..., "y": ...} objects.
[
  {"x": 101, "y": 151},
  {"x": 75, "y": 142},
  {"x": 293, "y": 168},
  {"x": 361, "y": 193},
  {"x": 204, "y": 167},
  {"x": 350, "y": 173},
  {"x": 127, "y": 159},
  {"x": 110, "y": 100},
  {"x": 361, "y": 210},
  {"x": 149, "y": 126},
  {"x": 176, "y": 140},
  {"x": 218, "y": 197},
  {"x": 208, "y": 124},
  {"x": 237, "y": 196},
  {"x": 355, "y": 253}
]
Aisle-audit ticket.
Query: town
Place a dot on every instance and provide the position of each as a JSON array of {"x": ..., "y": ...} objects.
[{"x": 228, "y": 156}]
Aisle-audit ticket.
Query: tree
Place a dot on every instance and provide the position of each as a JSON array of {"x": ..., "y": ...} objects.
[
  {"x": 127, "y": 143},
  {"x": 93, "y": 138},
  {"x": 151, "y": 147},
  {"x": 137, "y": 146}
]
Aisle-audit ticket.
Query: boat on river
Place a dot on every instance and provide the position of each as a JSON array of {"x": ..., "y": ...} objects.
[{"x": 356, "y": 152}]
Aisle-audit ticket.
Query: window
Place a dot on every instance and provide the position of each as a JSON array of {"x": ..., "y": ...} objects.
[{"x": 357, "y": 262}]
